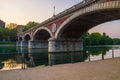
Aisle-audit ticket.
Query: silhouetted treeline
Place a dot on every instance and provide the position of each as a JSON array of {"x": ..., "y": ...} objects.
[
  {"x": 99, "y": 39},
  {"x": 10, "y": 32},
  {"x": 116, "y": 41}
]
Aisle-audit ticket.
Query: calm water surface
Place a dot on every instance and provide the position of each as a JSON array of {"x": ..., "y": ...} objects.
[{"x": 12, "y": 57}]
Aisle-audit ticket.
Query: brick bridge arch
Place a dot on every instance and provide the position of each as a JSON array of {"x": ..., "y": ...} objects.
[
  {"x": 27, "y": 37},
  {"x": 85, "y": 19},
  {"x": 44, "y": 31}
]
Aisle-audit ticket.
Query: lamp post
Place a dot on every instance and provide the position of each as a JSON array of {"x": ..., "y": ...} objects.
[
  {"x": 54, "y": 11},
  {"x": 112, "y": 53},
  {"x": 89, "y": 46}
]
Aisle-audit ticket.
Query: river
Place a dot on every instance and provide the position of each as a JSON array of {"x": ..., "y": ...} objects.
[{"x": 12, "y": 57}]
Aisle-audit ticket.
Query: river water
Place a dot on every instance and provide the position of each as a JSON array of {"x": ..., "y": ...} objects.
[{"x": 12, "y": 57}]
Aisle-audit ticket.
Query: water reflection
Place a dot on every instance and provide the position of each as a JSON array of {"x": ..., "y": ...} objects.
[
  {"x": 11, "y": 63},
  {"x": 34, "y": 57},
  {"x": 7, "y": 49},
  {"x": 96, "y": 53},
  {"x": 21, "y": 58},
  {"x": 101, "y": 53},
  {"x": 70, "y": 57}
]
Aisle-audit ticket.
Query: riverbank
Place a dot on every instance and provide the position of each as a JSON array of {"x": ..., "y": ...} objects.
[
  {"x": 97, "y": 70},
  {"x": 7, "y": 43}
]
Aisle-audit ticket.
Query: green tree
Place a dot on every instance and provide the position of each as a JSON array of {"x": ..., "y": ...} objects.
[
  {"x": 116, "y": 41},
  {"x": 95, "y": 38},
  {"x": 106, "y": 40},
  {"x": 12, "y": 34},
  {"x": 3, "y": 34},
  {"x": 7, "y": 34},
  {"x": 30, "y": 25},
  {"x": 86, "y": 39},
  {"x": 11, "y": 26},
  {"x": 98, "y": 39}
]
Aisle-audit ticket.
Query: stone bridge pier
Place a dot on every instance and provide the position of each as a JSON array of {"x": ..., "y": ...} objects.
[
  {"x": 38, "y": 44},
  {"x": 53, "y": 45},
  {"x": 18, "y": 43},
  {"x": 69, "y": 45},
  {"x": 22, "y": 43}
]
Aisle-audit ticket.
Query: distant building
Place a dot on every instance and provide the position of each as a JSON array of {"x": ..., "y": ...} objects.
[{"x": 2, "y": 24}]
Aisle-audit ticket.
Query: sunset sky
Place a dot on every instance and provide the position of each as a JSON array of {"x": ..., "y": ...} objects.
[{"x": 23, "y": 11}]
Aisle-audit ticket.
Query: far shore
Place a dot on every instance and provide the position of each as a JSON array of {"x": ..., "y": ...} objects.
[{"x": 7, "y": 43}]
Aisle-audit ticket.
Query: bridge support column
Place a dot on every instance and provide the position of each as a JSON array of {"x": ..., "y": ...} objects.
[
  {"x": 22, "y": 49},
  {"x": 38, "y": 44},
  {"x": 64, "y": 45},
  {"x": 18, "y": 43},
  {"x": 24, "y": 44}
]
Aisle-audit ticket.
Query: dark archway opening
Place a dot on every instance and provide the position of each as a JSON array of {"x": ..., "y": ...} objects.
[
  {"x": 41, "y": 35},
  {"x": 20, "y": 38},
  {"x": 27, "y": 38},
  {"x": 75, "y": 28}
]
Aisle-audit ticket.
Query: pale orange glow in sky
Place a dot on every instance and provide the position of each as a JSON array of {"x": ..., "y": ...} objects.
[{"x": 23, "y": 11}]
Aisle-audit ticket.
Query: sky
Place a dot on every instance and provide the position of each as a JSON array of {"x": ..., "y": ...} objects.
[{"x": 23, "y": 11}]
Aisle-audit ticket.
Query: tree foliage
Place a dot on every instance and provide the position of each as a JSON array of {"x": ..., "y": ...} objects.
[
  {"x": 116, "y": 41},
  {"x": 11, "y": 26},
  {"x": 8, "y": 34},
  {"x": 106, "y": 40},
  {"x": 30, "y": 25},
  {"x": 95, "y": 38},
  {"x": 86, "y": 38},
  {"x": 98, "y": 39}
]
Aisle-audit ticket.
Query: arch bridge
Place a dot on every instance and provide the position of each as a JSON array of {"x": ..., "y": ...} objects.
[{"x": 63, "y": 31}]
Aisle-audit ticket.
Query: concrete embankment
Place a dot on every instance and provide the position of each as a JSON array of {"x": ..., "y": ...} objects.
[{"x": 97, "y": 70}]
